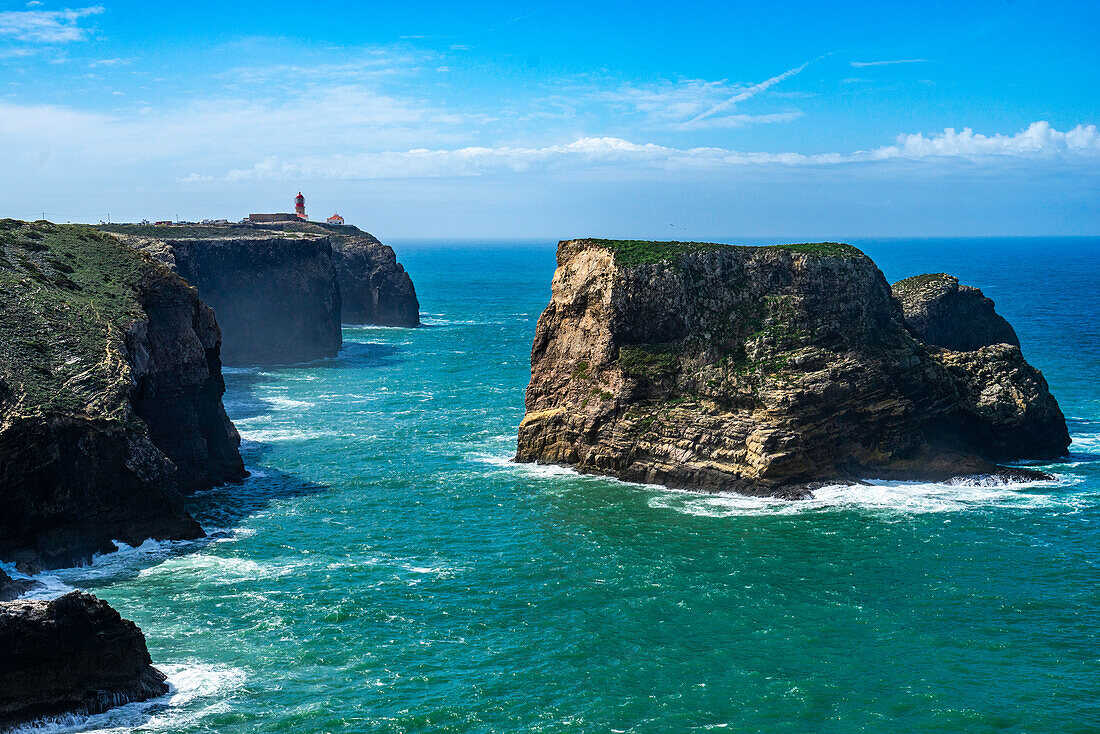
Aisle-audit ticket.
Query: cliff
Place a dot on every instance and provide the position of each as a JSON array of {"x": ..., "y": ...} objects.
[
  {"x": 72, "y": 655},
  {"x": 110, "y": 397},
  {"x": 281, "y": 290},
  {"x": 276, "y": 295},
  {"x": 1004, "y": 402},
  {"x": 941, "y": 312},
  {"x": 763, "y": 370},
  {"x": 376, "y": 288}
]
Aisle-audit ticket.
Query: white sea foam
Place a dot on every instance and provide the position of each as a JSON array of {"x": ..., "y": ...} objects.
[
  {"x": 536, "y": 470},
  {"x": 50, "y": 586},
  {"x": 218, "y": 569},
  {"x": 231, "y": 535},
  {"x": 278, "y": 402},
  {"x": 1086, "y": 443},
  {"x": 195, "y": 691},
  {"x": 54, "y": 583},
  {"x": 239, "y": 370},
  {"x": 278, "y": 435},
  {"x": 882, "y": 497}
]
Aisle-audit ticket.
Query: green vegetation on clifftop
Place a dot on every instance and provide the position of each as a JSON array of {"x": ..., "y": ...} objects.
[
  {"x": 67, "y": 293},
  {"x": 228, "y": 231},
  {"x": 629, "y": 253},
  {"x": 830, "y": 249},
  {"x": 638, "y": 252},
  {"x": 921, "y": 281}
]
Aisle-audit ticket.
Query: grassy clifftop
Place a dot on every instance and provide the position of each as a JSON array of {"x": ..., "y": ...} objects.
[
  {"x": 229, "y": 231},
  {"x": 629, "y": 253},
  {"x": 68, "y": 295}
]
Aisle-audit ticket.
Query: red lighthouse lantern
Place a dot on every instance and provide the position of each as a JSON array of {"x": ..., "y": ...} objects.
[{"x": 300, "y": 205}]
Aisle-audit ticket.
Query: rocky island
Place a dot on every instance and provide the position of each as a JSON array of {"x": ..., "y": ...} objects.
[
  {"x": 769, "y": 370},
  {"x": 72, "y": 655},
  {"x": 110, "y": 397},
  {"x": 282, "y": 290}
]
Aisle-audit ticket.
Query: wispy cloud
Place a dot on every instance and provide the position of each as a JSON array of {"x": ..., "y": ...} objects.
[
  {"x": 109, "y": 62},
  {"x": 46, "y": 26},
  {"x": 225, "y": 132},
  {"x": 353, "y": 66},
  {"x": 752, "y": 91},
  {"x": 677, "y": 104},
  {"x": 1038, "y": 142},
  {"x": 861, "y": 64}
]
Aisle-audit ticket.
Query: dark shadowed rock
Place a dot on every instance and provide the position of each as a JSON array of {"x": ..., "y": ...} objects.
[
  {"x": 276, "y": 297},
  {"x": 110, "y": 397},
  {"x": 72, "y": 655},
  {"x": 762, "y": 370},
  {"x": 375, "y": 287},
  {"x": 941, "y": 312},
  {"x": 281, "y": 290},
  {"x": 13, "y": 588}
]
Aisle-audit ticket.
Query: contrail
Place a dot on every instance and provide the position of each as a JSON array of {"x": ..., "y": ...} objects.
[{"x": 752, "y": 91}]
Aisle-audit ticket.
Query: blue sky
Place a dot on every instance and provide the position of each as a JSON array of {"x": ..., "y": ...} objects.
[{"x": 690, "y": 120}]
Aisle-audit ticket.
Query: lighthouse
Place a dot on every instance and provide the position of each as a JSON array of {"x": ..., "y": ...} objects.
[{"x": 300, "y": 206}]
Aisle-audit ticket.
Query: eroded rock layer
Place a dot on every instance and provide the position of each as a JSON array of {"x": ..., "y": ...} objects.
[
  {"x": 72, "y": 655},
  {"x": 761, "y": 370},
  {"x": 110, "y": 397},
  {"x": 941, "y": 312}
]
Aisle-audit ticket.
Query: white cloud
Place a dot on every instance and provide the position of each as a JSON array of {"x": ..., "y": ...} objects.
[
  {"x": 372, "y": 62},
  {"x": 861, "y": 64},
  {"x": 218, "y": 132},
  {"x": 46, "y": 26},
  {"x": 1038, "y": 141},
  {"x": 737, "y": 121}
]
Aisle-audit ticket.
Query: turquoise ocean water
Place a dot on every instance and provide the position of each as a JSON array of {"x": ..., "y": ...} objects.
[{"x": 386, "y": 569}]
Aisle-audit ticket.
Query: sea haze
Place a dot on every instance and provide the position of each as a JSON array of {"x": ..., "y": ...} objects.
[{"x": 387, "y": 569}]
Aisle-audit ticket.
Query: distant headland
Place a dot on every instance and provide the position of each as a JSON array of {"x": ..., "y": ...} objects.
[{"x": 281, "y": 284}]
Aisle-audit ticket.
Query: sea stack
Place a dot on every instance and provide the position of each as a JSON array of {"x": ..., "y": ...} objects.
[
  {"x": 767, "y": 370},
  {"x": 72, "y": 655},
  {"x": 110, "y": 397}
]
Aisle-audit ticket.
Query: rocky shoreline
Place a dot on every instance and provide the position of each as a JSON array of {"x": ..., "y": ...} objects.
[
  {"x": 111, "y": 411},
  {"x": 110, "y": 398},
  {"x": 771, "y": 370},
  {"x": 71, "y": 655}
]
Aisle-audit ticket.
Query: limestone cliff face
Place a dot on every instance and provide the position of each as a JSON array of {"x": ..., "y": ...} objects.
[
  {"x": 375, "y": 287},
  {"x": 110, "y": 397},
  {"x": 1005, "y": 405},
  {"x": 941, "y": 312},
  {"x": 72, "y": 655},
  {"x": 174, "y": 356},
  {"x": 277, "y": 298},
  {"x": 761, "y": 370}
]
